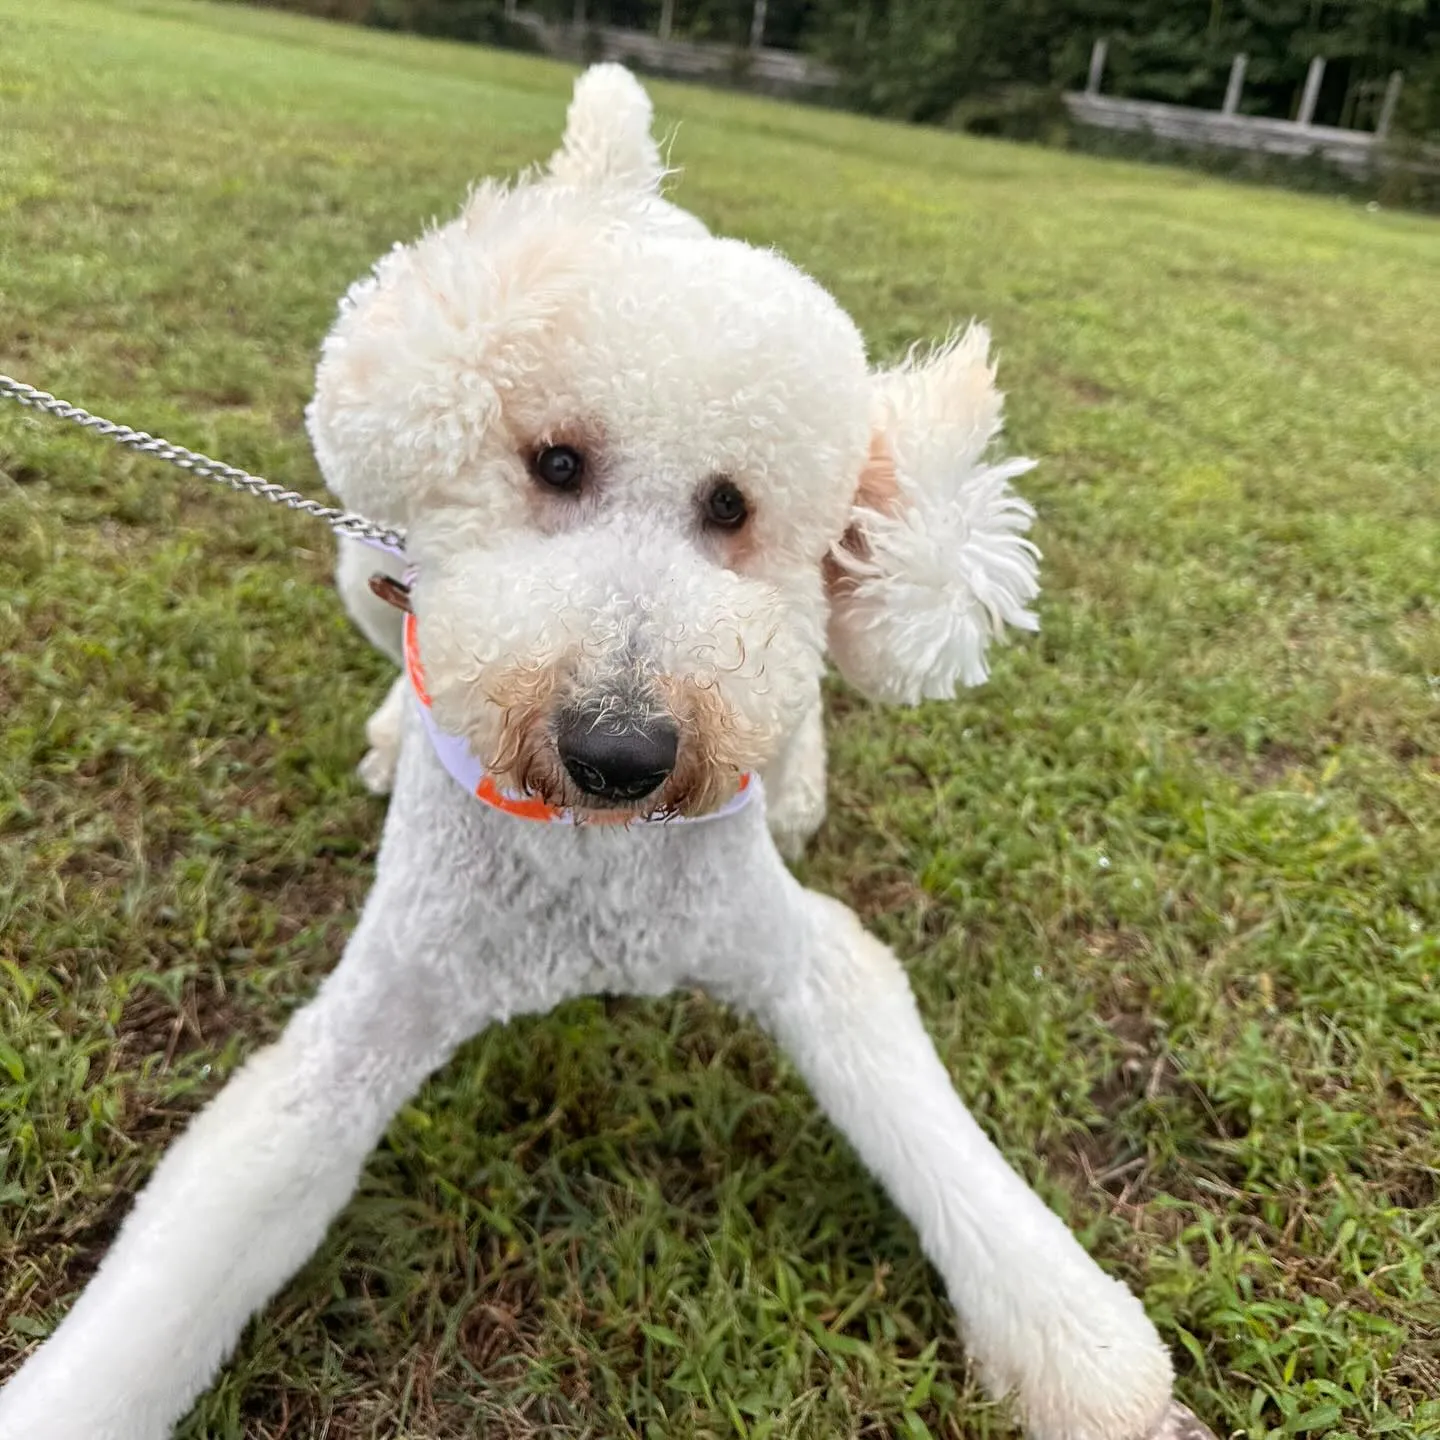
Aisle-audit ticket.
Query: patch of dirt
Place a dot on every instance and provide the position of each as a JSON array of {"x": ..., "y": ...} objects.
[
  {"x": 1416, "y": 1367},
  {"x": 1121, "y": 945},
  {"x": 1145, "y": 1071},
  {"x": 882, "y": 891},
  {"x": 1085, "y": 391},
  {"x": 151, "y": 1024},
  {"x": 220, "y": 397},
  {"x": 1410, "y": 1183},
  {"x": 1094, "y": 1161},
  {"x": 1407, "y": 747},
  {"x": 498, "y": 1331},
  {"x": 1271, "y": 762}
]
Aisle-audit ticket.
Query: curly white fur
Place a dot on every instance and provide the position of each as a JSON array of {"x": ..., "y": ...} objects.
[
  {"x": 581, "y": 310},
  {"x": 945, "y": 569}
]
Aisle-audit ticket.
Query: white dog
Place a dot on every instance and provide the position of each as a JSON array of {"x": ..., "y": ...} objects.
[{"x": 648, "y": 482}]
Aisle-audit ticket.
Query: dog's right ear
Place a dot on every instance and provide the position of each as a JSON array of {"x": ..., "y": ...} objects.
[{"x": 607, "y": 135}]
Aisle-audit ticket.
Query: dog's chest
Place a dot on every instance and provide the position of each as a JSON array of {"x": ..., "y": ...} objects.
[
  {"x": 538, "y": 912},
  {"x": 628, "y": 913}
]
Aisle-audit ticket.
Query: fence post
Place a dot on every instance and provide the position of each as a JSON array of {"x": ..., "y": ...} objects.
[
  {"x": 1097, "y": 66},
  {"x": 667, "y": 18},
  {"x": 757, "y": 25},
  {"x": 1387, "y": 106},
  {"x": 1312, "y": 91},
  {"x": 1237, "y": 81}
]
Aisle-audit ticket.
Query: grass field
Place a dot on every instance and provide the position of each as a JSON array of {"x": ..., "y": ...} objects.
[{"x": 1167, "y": 888}]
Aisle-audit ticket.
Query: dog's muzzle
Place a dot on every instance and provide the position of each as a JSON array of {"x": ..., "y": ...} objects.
[{"x": 614, "y": 754}]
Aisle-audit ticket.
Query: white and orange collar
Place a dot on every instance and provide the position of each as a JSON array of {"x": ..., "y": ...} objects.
[{"x": 455, "y": 755}]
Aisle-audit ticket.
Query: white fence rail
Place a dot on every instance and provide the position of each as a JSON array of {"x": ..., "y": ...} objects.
[
  {"x": 1357, "y": 151},
  {"x": 1354, "y": 150}
]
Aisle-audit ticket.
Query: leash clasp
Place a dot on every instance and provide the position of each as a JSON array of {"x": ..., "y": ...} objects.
[{"x": 391, "y": 591}]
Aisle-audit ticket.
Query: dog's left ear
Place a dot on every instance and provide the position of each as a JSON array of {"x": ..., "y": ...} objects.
[{"x": 935, "y": 564}]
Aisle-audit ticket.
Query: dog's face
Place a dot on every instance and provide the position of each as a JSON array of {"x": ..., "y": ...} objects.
[
  {"x": 623, "y": 457},
  {"x": 647, "y": 482}
]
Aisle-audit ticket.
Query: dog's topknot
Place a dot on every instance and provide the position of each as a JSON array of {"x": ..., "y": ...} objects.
[{"x": 607, "y": 134}]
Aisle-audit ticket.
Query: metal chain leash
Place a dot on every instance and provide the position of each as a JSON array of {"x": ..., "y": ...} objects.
[{"x": 343, "y": 522}]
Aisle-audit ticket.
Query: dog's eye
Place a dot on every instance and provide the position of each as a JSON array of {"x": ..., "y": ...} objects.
[
  {"x": 725, "y": 506},
  {"x": 560, "y": 467}
]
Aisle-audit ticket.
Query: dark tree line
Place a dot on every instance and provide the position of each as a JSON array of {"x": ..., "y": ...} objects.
[
  {"x": 988, "y": 64},
  {"x": 920, "y": 58}
]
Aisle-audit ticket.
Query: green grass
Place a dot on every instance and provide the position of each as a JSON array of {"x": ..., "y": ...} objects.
[{"x": 1167, "y": 887}]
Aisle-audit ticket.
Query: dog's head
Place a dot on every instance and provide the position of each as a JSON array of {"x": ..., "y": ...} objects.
[{"x": 647, "y": 478}]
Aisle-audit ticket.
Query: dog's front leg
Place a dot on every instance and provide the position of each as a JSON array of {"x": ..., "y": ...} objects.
[
  {"x": 1040, "y": 1318},
  {"x": 246, "y": 1194},
  {"x": 795, "y": 786}
]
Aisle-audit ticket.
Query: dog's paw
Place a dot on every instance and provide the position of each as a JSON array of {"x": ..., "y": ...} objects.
[
  {"x": 792, "y": 833},
  {"x": 382, "y": 730},
  {"x": 795, "y": 803},
  {"x": 377, "y": 769},
  {"x": 1181, "y": 1423},
  {"x": 1076, "y": 1351},
  {"x": 795, "y": 788}
]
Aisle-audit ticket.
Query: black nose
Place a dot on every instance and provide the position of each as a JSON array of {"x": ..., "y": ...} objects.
[{"x": 615, "y": 755}]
